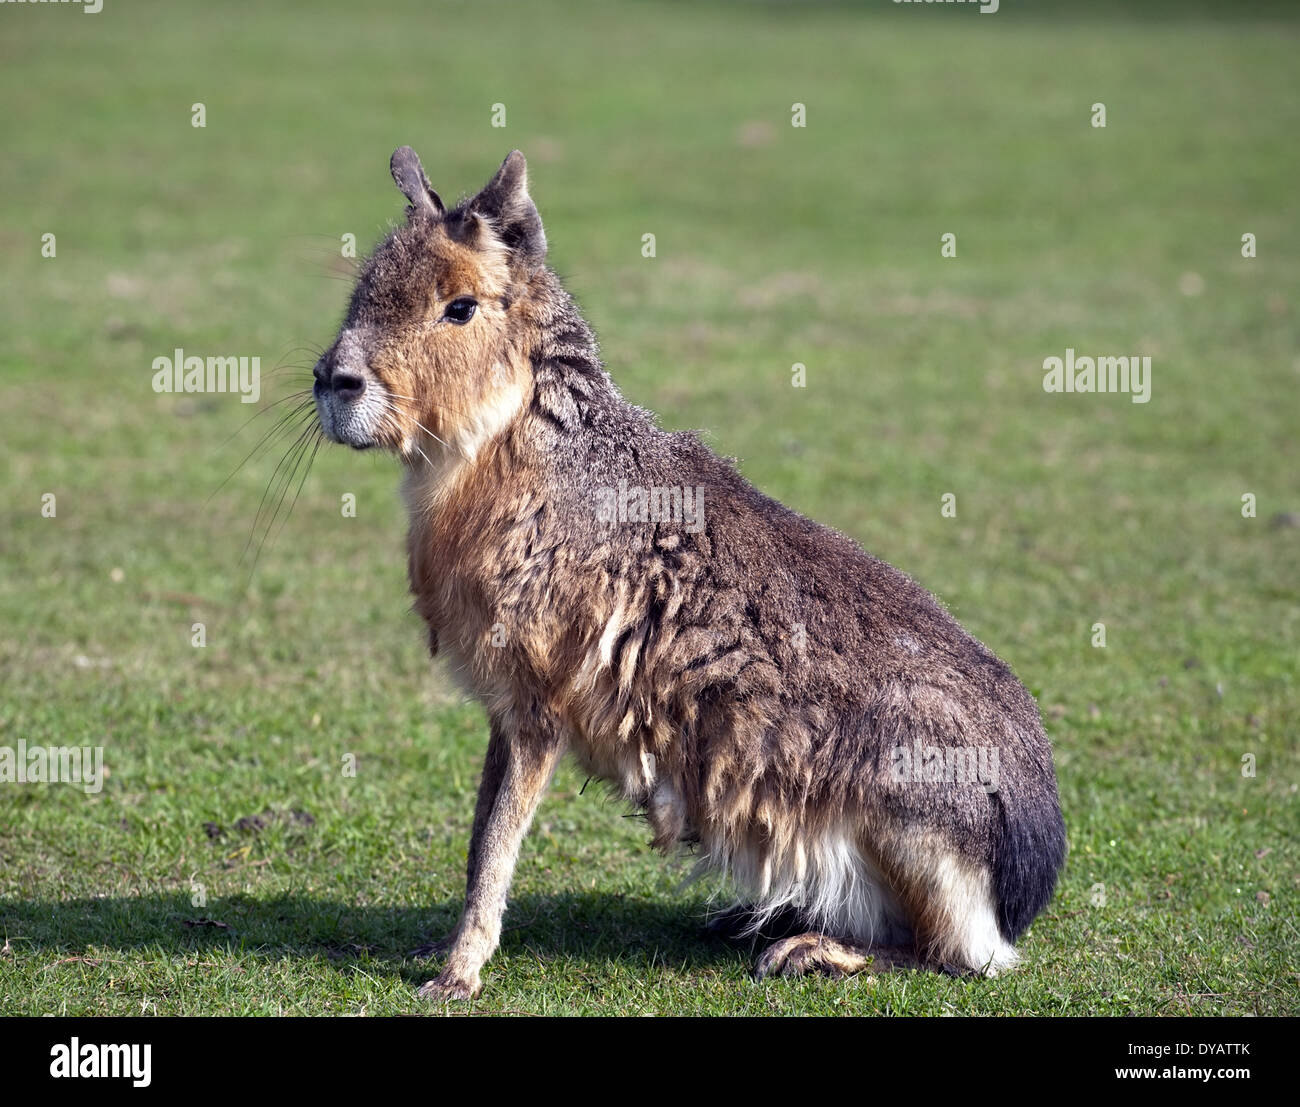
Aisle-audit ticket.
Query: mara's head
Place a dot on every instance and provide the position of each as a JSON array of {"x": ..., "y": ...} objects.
[{"x": 434, "y": 346}]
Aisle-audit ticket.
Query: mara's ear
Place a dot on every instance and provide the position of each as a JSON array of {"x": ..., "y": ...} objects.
[
  {"x": 409, "y": 175},
  {"x": 505, "y": 201}
]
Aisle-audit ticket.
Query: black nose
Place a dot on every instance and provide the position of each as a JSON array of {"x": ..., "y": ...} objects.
[{"x": 345, "y": 384}]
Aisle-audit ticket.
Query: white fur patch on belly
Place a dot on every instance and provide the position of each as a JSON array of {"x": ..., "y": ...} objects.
[{"x": 826, "y": 878}]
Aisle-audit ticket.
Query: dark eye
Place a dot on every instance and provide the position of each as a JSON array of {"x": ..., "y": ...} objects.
[{"x": 462, "y": 310}]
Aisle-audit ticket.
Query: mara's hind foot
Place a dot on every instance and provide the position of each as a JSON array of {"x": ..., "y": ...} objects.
[{"x": 836, "y": 957}]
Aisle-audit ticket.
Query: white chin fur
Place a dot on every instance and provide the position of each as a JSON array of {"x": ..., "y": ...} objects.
[{"x": 352, "y": 422}]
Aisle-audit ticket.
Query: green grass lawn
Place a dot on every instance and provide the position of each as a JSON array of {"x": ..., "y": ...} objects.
[{"x": 229, "y": 866}]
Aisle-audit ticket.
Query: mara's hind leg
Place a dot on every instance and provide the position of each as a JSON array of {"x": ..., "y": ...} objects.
[
  {"x": 837, "y": 957},
  {"x": 952, "y": 906}
]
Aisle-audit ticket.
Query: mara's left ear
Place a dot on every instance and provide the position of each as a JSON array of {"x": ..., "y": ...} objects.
[
  {"x": 409, "y": 175},
  {"x": 505, "y": 201}
]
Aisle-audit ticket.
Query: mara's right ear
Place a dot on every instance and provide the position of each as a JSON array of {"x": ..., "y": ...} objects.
[
  {"x": 505, "y": 201},
  {"x": 409, "y": 175}
]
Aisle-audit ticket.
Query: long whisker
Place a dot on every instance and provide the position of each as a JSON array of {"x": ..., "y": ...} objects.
[
  {"x": 265, "y": 408},
  {"x": 289, "y": 367},
  {"x": 295, "y": 453},
  {"x": 312, "y": 349},
  {"x": 311, "y": 459},
  {"x": 441, "y": 407},
  {"x": 286, "y": 420},
  {"x": 273, "y": 483},
  {"x": 430, "y": 433},
  {"x": 442, "y": 442}
]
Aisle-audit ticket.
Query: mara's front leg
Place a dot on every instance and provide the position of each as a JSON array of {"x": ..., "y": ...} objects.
[
  {"x": 522, "y": 756},
  {"x": 494, "y": 771}
]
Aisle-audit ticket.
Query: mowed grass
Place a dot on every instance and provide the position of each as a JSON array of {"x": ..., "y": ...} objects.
[{"x": 774, "y": 245}]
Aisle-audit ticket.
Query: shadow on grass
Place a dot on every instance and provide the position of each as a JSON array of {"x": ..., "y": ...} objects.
[{"x": 591, "y": 927}]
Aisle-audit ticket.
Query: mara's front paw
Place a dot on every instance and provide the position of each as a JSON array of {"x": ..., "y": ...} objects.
[{"x": 449, "y": 985}]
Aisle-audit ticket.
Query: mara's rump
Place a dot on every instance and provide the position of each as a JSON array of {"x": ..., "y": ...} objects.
[{"x": 823, "y": 732}]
